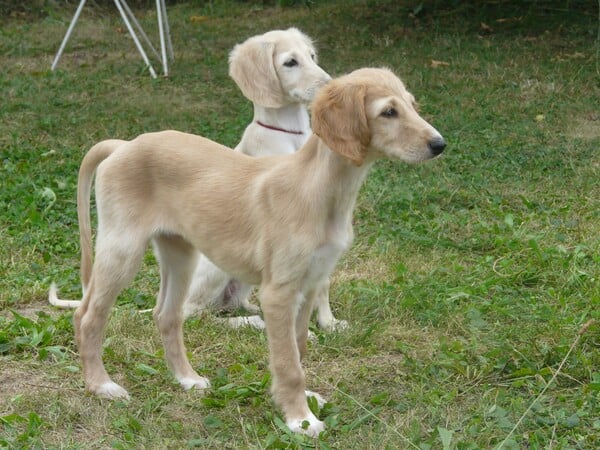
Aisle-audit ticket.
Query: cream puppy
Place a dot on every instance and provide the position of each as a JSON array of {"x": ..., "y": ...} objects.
[{"x": 280, "y": 222}]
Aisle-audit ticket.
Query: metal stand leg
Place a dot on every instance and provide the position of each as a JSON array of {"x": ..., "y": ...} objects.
[
  {"x": 135, "y": 39},
  {"x": 68, "y": 35},
  {"x": 139, "y": 28},
  {"x": 167, "y": 30},
  {"x": 127, "y": 14},
  {"x": 161, "y": 33}
]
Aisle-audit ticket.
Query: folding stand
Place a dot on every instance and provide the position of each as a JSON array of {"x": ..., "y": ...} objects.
[{"x": 127, "y": 14}]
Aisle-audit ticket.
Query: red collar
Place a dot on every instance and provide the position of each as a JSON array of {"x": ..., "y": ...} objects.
[{"x": 270, "y": 127}]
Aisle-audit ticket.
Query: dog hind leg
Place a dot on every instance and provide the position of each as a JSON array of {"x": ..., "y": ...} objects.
[
  {"x": 237, "y": 295},
  {"x": 116, "y": 264},
  {"x": 206, "y": 289}
]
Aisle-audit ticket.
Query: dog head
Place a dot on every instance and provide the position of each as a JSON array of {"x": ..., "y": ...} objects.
[
  {"x": 277, "y": 68},
  {"x": 369, "y": 114}
]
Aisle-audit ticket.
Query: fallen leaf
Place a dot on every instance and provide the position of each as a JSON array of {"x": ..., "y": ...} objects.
[
  {"x": 509, "y": 19},
  {"x": 540, "y": 118},
  {"x": 485, "y": 27},
  {"x": 435, "y": 63},
  {"x": 576, "y": 55},
  {"x": 198, "y": 19}
]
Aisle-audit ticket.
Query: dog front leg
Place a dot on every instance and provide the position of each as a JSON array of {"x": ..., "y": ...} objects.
[
  {"x": 302, "y": 320},
  {"x": 280, "y": 310},
  {"x": 325, "y": 317},
  {"x": 302, "y": 332}
]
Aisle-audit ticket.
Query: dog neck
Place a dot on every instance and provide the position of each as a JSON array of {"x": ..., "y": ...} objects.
[
  {"x": 292, "y": 119},
  {"x": 337, "y": 179}
]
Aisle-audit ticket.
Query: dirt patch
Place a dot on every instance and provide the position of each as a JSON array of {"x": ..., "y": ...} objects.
[
  {"x": 31, "y": 310},
  {"x": 587, "y": 128},
  {"x": 16, "y": 380},
  {"x": 371, "y": 268}
]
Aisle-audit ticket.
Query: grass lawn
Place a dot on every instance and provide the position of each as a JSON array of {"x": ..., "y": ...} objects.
[{"x": 469, "y": 280}]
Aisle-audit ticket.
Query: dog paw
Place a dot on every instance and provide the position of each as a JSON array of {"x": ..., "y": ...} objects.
[
  {"x": 308, "y": 425},
  {"x": 339, "y": 325},
  {"x": 111, "y": 391},
  {"x": 256, "y": 321},
  {"x": 199, "y": 382},
  {"x": 246, "y": 321},
  {"x": 318, "y": 397},
  {"x": 333, "y": 325},
  {"x": 251, "y": 308},
  {"x": 191, "y": 309}
]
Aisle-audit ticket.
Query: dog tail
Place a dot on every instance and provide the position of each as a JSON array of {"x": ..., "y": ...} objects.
[
  {"x": 91, "y": 161},
  {"x": 55, "y": 301}
]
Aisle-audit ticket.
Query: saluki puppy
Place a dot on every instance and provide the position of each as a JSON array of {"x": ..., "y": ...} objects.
[{"x": 280, "y": 222}]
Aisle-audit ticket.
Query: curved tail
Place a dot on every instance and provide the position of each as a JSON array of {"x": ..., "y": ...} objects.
[{"x": 91, "y": 161}]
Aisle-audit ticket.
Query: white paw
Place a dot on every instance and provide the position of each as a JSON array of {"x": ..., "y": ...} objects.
[
  {"x": 333, "y": 325},
  {"x": 251, "y": 308},
  {"x": 112, "y": 391},
  {"x": 246, "y": 321},
  {"x": 340, "y": 325},
  {"x": 315, "y": 426},
  {"x": 256, "y": 321},
  {"x": 194, "y": 383},
  {"x": 318, "y": 397},
  {"x": 191, "y": 309},
  {"x": 312, "y": 337}
]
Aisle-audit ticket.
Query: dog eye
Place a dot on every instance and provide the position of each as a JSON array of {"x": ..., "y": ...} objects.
[
  {"x": 390, "y": 112},
  {"x": 313, "y": 56},
  {"x": 291, "y": 63}
]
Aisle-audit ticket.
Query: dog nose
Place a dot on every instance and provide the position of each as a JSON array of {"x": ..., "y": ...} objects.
[{"x": 437, "y": 145}]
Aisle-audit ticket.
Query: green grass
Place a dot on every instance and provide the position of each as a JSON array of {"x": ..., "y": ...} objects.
[{"x": 469, "y": 279}]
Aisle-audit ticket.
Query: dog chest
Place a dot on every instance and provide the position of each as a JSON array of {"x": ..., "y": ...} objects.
[{"x": 324, "y": 259}]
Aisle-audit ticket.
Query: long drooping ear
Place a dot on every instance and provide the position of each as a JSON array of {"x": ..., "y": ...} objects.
[
  {"x": 340, "y": 120},
  {"x": 252, "y": 67}
]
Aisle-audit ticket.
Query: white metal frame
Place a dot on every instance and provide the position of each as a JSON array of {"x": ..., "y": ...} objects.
[{"x": 163, "y": 30}]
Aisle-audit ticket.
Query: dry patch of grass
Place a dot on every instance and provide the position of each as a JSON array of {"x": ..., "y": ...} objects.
[{"x": 587, "y": 128}]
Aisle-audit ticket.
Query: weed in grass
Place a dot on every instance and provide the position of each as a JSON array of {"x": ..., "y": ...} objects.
[
  {"x": 23, "y": 432},
  {"x": 35, "y": 338}
]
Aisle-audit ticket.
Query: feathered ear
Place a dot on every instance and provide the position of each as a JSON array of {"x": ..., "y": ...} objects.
[
  {"x": 252, "y": 68},
  {"x": 340, "y": 120}
]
